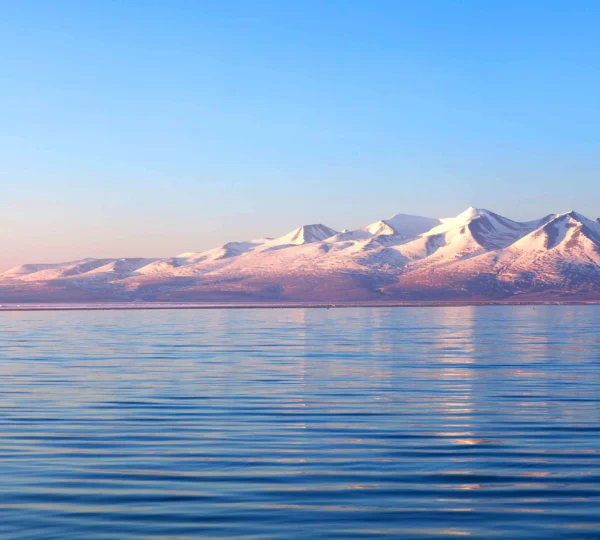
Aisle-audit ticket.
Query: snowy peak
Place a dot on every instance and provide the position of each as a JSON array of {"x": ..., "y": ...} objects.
[
  {"x": 306, "y": 234},
  {"x": 469, "y": 216},
  {"x": 231, "y": 249},
  {"x": 379, "y": 228},
  {"x": 45, "y": 272},
  {"x": 471, "y": 213},
  {"x": 121, "y": 267},
  {"x": 477, "y": 228},
  {"x": 405, "y": 225},
  {"x": 584, "y": 221},
  {"x": 461, "y": 220},
  {"x": 565, "y": 231},
  {"x": 26, "y": 269}
]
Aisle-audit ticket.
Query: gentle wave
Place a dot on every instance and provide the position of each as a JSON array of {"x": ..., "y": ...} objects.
[{"x": 355, "y": 423}]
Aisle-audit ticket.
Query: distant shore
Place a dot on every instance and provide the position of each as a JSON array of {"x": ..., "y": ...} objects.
[{"x": 100, "y": 306}]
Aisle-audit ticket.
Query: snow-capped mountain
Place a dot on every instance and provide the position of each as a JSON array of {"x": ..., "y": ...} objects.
[
  {"x": 402, "y": 225},
  {"x": 306, "y": 234},
  {"x": 475, "y": 255}
]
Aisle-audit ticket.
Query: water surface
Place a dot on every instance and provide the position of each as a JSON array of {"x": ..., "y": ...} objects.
[{"x": 300, "y": 423}]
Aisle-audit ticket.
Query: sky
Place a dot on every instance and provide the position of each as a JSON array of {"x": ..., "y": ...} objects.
[{"x": 150, "y": 128}]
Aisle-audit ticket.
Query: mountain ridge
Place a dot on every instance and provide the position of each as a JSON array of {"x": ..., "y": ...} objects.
[{"x": 478, "y": 255}]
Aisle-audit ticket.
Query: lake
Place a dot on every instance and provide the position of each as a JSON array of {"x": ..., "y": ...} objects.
[{"x": 301, "y": 423}]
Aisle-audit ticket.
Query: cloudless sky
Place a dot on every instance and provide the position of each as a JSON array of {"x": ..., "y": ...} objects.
[{"x": 148, "y": 128}]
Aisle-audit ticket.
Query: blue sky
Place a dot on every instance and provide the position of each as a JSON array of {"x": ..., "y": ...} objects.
[{"x": 147, "y": 128}]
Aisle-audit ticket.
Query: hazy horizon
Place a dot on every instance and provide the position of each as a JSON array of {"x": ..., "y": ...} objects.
[{"x": 150, "y": 129}]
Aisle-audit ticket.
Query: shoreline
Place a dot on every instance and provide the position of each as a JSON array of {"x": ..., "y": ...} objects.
[{"x": 124, "y": 306}]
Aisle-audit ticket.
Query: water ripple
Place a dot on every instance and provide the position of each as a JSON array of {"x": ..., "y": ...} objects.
[{"x": 351, "y": 423}]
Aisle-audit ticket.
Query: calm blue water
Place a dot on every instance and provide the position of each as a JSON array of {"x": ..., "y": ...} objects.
[{"x": 350, "y": 423}]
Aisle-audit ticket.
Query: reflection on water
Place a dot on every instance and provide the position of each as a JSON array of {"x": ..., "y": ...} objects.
[{"x": 411, "y": 423}]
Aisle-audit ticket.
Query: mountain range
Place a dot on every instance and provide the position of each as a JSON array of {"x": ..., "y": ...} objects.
[{"x": 477, "y": 255}]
